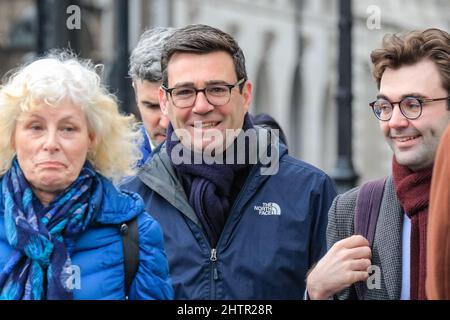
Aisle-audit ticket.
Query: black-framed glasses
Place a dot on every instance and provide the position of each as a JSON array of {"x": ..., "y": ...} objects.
[
  {"x": 216, "y": 94},
  {"x": 410, "y": 107}
]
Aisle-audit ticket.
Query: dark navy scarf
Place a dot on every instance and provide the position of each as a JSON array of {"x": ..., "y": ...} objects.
[
  {"x": 211, "y": 188},
  {"x": 43, "y": 237}
]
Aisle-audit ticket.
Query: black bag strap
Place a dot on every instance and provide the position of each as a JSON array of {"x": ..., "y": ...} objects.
[
  {"x": 366, "y": 216},
  {"x": 130, "y": 242}
]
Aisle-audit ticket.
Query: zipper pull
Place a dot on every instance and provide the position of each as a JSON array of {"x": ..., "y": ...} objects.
[
  {"x": 213, "y": 255},
  {"x": 213, "y": 258}
]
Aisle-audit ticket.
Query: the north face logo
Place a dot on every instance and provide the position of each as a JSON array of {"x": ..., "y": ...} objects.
[{"x": 268, "y": 209}]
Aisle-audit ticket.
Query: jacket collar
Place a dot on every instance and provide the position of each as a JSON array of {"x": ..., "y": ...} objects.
[
  {"x": 118, "y": 206},
  {"x": 115, "y": 206},
  {"x": 159, "y": 175}
]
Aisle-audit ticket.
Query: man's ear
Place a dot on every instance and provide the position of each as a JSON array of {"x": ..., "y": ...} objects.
[
  {"x": 163, "y": 101},
  {"x": 247, "y": 94},
  {"x": 135, "y": 92}
]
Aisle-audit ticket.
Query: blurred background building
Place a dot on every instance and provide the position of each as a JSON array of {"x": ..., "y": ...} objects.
[{"x": 291, "y": 47}]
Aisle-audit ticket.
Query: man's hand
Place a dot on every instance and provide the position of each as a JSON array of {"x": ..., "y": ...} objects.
[{"x": 345, "y": 263}]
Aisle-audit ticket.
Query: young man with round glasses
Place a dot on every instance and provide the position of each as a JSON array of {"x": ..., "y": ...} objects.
[
  {"x": 413, "y": 75},
  {"x": 232, "y": 229}
]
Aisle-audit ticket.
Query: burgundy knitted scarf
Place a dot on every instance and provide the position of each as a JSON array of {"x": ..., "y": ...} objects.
[{"x": 413, "y": 191}]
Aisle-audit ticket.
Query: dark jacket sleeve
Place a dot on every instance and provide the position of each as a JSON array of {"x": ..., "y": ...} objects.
[{"x": 322, "y": 202}]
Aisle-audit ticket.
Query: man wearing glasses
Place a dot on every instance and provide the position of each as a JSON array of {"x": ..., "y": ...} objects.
[
  {"x": 232, "y": 229},
  {"x": 413, "y": 75}
]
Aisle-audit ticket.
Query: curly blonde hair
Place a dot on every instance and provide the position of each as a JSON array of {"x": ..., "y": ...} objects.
[{"x": 48, "y": 82}]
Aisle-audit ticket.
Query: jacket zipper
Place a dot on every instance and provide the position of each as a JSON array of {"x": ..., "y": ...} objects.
[
  {"x": 213, "y": 256},
  {"x": 215, "y": 274}
]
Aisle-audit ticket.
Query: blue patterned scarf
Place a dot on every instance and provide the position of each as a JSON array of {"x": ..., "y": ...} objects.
[{"x": 43, "y": 237}]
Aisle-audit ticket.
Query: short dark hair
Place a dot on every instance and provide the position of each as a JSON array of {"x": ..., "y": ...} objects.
[
  {"x": 411, "y": 47},
  {"x": 202, "y": 39}
]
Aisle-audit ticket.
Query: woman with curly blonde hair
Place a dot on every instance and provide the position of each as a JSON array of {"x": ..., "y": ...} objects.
[{"x": 63, "y": 143}]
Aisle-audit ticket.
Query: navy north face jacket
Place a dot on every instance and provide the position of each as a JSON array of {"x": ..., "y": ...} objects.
[{"x": 274, "y": 233}]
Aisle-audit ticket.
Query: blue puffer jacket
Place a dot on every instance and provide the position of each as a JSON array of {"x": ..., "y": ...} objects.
[
  {"x": 99, "y": 254},
  {"x": 274, "y": 233}
]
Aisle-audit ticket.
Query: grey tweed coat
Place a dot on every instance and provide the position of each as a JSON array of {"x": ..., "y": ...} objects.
[{"x": 387, "y": 247}]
